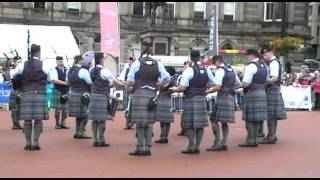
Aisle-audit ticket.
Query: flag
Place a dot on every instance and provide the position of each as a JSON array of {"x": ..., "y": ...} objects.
[
  {"x": 110, "y": 34},
  {"x": 214, "y": 33}
]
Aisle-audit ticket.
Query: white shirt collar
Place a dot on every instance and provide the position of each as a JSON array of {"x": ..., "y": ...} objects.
[
  {"x": 99, "y": 66},
  {"x": 273, "y": 58},
  {"x": 35, "y": 58},
  {"x": 255, "y": 60},
  {"x": 78, "y": 65}
]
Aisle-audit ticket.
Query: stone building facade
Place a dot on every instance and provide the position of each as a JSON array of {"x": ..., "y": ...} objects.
[{"x": 178, "y": 26}]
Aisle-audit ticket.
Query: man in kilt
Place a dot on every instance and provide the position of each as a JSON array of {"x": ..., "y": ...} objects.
[
  {"x": 255, "y": 100},
  {"x": 127, "y": 92},
  {"x": 80, "y": 81},
  {"x": 33, "y": 105},
  {"x": 98, "y": 108},
  {"x": 15, "y": 92},
  {"x": 163, "y": 110},
  {"x": 276, "y": 110},
  {"x": 143, "y": 76},
  {"x": 194, "y": 83},
  {"x": 61, "y": 91},
  {"x": 226, "y": 81}
]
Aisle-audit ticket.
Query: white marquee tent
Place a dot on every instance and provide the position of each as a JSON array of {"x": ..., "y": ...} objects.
[{"x": 52, "y": 39}]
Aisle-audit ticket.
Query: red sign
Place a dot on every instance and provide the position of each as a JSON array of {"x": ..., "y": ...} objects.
[{"x": 109, "y": 22}]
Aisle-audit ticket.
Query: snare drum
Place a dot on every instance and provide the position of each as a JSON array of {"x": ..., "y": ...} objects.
[
  {"x": 176, "y": 102},
  {"x": 211, "y": 98}
]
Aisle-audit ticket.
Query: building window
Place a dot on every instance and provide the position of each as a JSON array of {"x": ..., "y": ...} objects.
[
  {"x": 39, "y": 7},
  {"x": 74, "y": 8},
  {"x": 169, "y": 10},
  {"x": 272, "y": 11},
  {"x": 318, "y": 31},
  {"x": 318, "y": 10},
  {"x": 199, "y": 10},
  {"x": 229, "y": 11},
  {"x": 138, "y": 8},
  {"x": 310, "y": 10},
  {"x": 160, "y": 49}
]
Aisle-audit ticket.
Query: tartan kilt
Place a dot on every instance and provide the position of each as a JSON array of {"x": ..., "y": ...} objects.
[
  {"x": 140, "y": 115},
  {"x": 56, "y": 104},
  {"x": 33, "y": 106},
  {"x": 276, "y": 110},
  {"x": 163, "y": 113},
  {"x": 255, "y": 106},
  {"x": 224, "y": 109},
  {"x": 98, "y": 108},
  {"x": 76, "y": 108},
  {"x": 13, "y": 106},
  {"x": 195, "y": 112}
]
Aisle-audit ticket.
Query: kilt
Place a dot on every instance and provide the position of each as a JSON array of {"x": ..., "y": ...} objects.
[
  {"x": 224, "y": 109},
  {"x": 255, "y": 106},
  {"x": 33, "y": 106},
  {"x": 76, "y": 108},
  {"x": 140, "y": 115},
  {"x": 195, "y": 112},
  {"x": 13, "y": 106},
  {"x": 56, "y": 104},
  {"x": 163, "y": 113},
  {"x": 276, "y": 110},
  {"x": 98, "y": 108}
]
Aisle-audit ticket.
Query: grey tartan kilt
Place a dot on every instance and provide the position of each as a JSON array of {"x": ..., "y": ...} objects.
[
  {"x": 140, "y": 115},
  {"x": 163, "y": 113},
  {"x": 276, "y": 110},
  {"x": 56, "y": 104},
  {"x": 98, "y": 108},
  {"x": 224, "y": 109},
  {"x": 195, "y": 113},
  {"x": 33, "y": 106},
  {"x": 76, "y": 108},
  {"x": 255, "y": 106},
  {"x": 13, "y": 106}
]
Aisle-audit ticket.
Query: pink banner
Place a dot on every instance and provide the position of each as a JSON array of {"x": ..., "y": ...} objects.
[{"x": 109, "y": 23}]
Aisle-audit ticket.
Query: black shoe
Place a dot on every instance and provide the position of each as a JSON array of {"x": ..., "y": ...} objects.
[
  {"x": 215, "y": 148},
  {"x": 147, "y": 153},
  {"x": 17, "y": 127},
  {"x": 58, "y": 127},
  {"x": 76, "y": 136},
  {"x": 103, "y": 144},
  {"x": 248, "y": 145},
  {"x": 28, "y": 147},
  {"x": 269, "y": 141},
  {"x": 137, "y": 153},
  {"x": 64, "y": 127},
  {"x": 36, "y": 148},
  {"x": 83, "y": 137},
  {"x": 95, "y": 144},
  {"x": 128, "y": 128},
  {"x": 188, "y": 151},
  {"x": 162, "y": 141}
]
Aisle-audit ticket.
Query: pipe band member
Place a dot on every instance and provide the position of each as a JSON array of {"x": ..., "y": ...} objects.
[
  {"x": 276, "y": 110},
  {"x": 61, "y": 91},
  {"x": 80, "y": 81},
  {"x": 226, "y": 81},
  {"x": 100, "y": 92},
  {"x": 255, "y": 100},
  {"x": 144, "y": 76},
  {"x": 194, "y": 82},
  {"x": 34, "y": 77}
]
